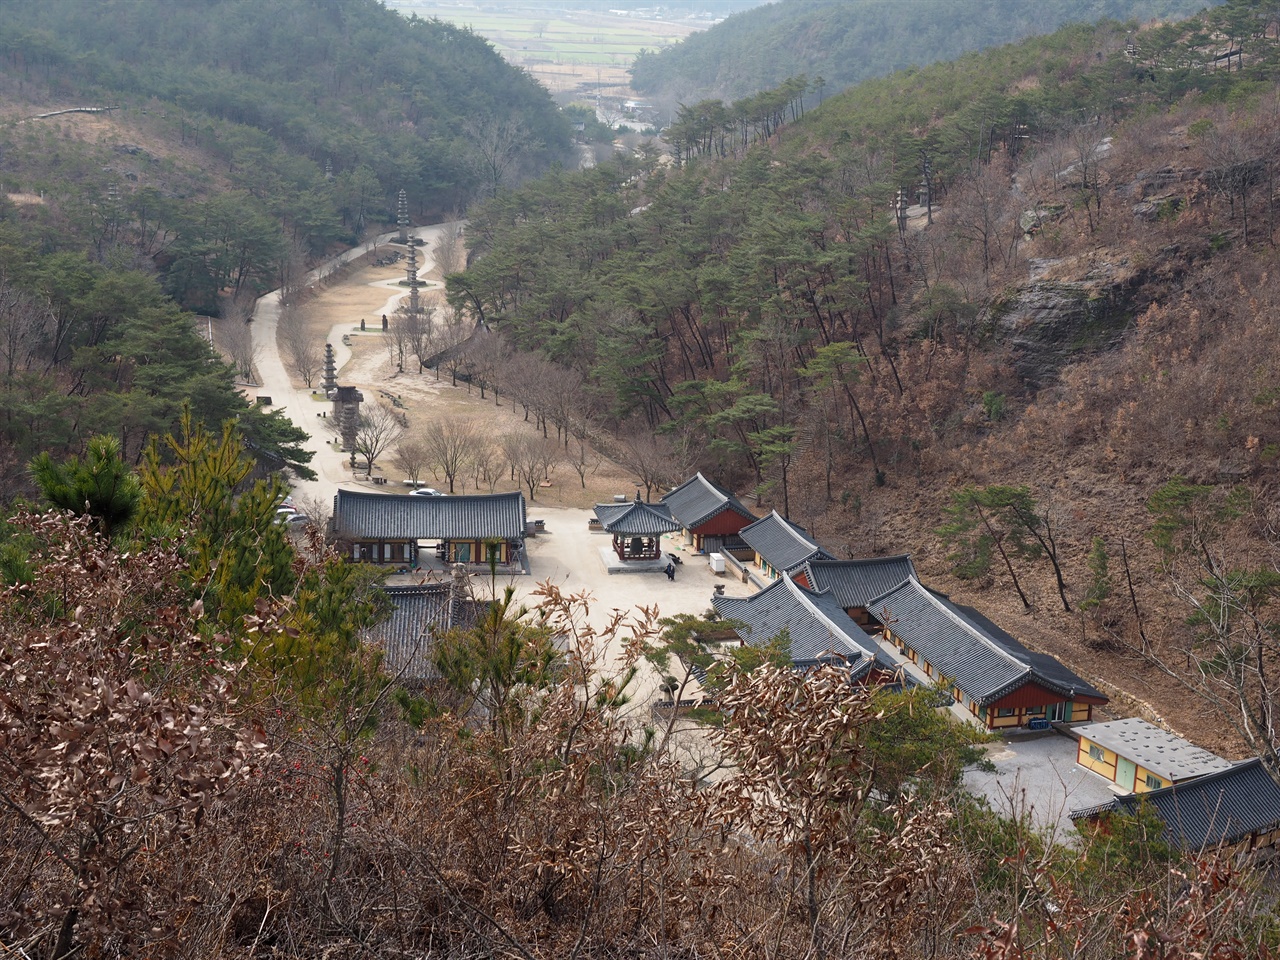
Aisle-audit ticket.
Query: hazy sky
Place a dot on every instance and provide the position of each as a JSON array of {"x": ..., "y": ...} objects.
[{"x": 719, "y": 8}]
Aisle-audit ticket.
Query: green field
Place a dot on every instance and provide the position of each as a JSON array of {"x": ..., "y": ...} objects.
[{"x": 564, "y": 51}]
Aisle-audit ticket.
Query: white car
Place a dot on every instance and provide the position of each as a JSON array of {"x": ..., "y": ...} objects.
[{"x": 426, "y": 492}]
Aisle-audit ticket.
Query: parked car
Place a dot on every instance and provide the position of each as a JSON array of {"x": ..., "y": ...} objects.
[{"x": 426, "y": 492}]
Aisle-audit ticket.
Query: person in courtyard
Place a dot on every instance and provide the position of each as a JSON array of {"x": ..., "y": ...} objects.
[{"x": 671, "y": 571}]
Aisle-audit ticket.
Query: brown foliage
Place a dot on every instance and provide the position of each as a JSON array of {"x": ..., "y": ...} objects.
[{"x": 116, "y": 739}]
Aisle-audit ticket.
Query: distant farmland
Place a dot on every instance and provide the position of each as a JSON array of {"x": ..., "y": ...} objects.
[{"x": 567, "y": 52}]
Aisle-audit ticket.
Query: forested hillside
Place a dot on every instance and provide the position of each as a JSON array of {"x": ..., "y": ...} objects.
[
  {"x": 1052, "y": 381},
  {"x": 1087, "y": 316},
  {"x": 836, "y": 43},
  {"x": 243, "y": 140}
]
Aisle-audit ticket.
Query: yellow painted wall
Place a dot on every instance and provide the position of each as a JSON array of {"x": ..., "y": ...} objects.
[
  {"x": 767, "y": 570},
  {"x": 1106, "y": 767},
  {"x": 1140, "y": 781},
  {"x": 1079, "y": 711}
]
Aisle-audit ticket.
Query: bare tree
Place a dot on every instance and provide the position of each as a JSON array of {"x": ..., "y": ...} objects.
[
  {"x": 396, "y": 337},
  {"x": 487, "y": 464},
  {"x": 655, "y": 460},
  {"x": 379, "y": 429},
  {"x": 485, "y": 357},
  {"x": 448, "y": 251},
  {"x": 982, "y": 210},
  {"x": 293, "y": 272},
  {"x": 496, "y": 145},
  {"x": 1087, "y": 148},
  {"x": 532, "y": 459},
  {"x": 410, "y": 457},
  {"x": 1221, "y": 562},
  {"x": 235, "y": 336},
  {"x": 449, "y": 444},
  {"x": 1238, "y": 159},
  {"x": 449, "y": 330},
  {"x": 512, "y": 446},
  {"x": 303, "y": 353},
  {"x": 417, "y": 329},
  {"x": 26, "y": 324},
  {"x": 583, "y": 457}
]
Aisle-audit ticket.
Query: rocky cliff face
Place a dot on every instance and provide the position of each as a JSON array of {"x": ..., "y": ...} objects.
[{"x": 1053, "y": 321}]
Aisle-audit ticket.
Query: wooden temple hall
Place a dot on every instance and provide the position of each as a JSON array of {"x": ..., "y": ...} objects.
[
  {"x": 389, "y": 528},
  {"x": 636, "y": 527}
]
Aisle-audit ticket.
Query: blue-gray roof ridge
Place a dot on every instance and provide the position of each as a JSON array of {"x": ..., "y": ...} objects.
[
  {"x": 636, "y": 518},
  {"x": 783, "y": 544},
  {"x": 390, "y": 516},
  {"x": 1045, "y": 666},
  {"x": 974, "y": 663},
  {"x": 817, "y": 626},
  {"x": 1221, "y": 807},
  {"x": 855, "y": 583},
  {"x": 697, "y": 500},
  {"x": 419, "y": 612},
  {"x": 985, "y": 664}
]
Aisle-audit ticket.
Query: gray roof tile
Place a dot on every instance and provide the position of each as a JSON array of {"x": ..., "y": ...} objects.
[
  {"x": 855, "y": 583},
  {"x": 389, "y": 516},
  {"x": 419, "y": 614},
  {"x": 1223, "y": 807},
  {"x": 819, "y": 630},
  {"x": 697, "y": 500},
  {"x": 636, "y": 519},
  {"x": 978, "y": 657},
  {"x": 782, "y": 543}
]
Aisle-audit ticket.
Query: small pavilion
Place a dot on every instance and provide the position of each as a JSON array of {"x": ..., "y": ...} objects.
[{"x": 636, "y": 527}]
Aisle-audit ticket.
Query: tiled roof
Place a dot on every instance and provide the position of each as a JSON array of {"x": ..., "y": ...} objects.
[
  {"x": 1164, "y": 754},
  {"x": 783, "y": 544},
  {"x": 1047, "y": 670},
  {"x": 855, "y": 583},
  {"x": 1199, "y": 814},
  {"x": 978, "y": 657},
  {"x": 419, "y": 614},
  {"x": 636, "y": 519},
  {"x": 819, "y": 630},
  {"x": 697, "y": 500},
  {"x": 389, "y": 516}
]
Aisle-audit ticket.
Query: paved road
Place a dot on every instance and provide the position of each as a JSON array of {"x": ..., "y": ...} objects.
[
  {"x": 1039, "y": 776},
  {"x": 566, "y": 554},
  {"x": 297, "y": 404}
]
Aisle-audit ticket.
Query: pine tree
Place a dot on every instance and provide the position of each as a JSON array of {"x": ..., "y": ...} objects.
[
  {"x": 101, "y": 486},
  {"x": 194, "y": 489}
]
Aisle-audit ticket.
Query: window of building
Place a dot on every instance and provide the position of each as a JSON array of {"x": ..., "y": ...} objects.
[
  {"x": 1005, "y": 712},
  {"x": 1096, "y": 752},
  {"x": 1035, "y": 711},
  {"x": 1154, "y": 782}
]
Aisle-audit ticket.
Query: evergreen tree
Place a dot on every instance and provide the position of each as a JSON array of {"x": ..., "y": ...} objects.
[
  {"x": 101, "y": 485},
  {"x": 195, "y": 488}
]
